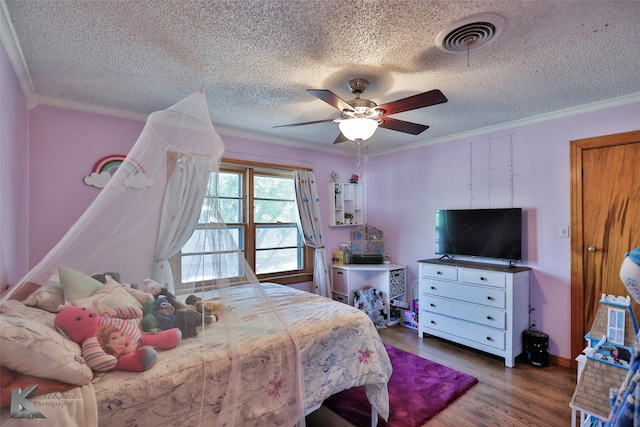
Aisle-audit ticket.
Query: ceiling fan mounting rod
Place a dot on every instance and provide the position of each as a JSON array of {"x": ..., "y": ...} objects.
[
  {"x": 362, "y": 108},
  {"x": 357, "y": 86}
]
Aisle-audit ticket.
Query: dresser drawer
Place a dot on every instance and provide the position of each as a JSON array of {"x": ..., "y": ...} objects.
[
  {"x": 482, "y": 277},
  {"x": 449, "y": 327},
  {"x": 488, "y": 316},
  {"x": 474, "y": 294},
  {"x": 442, "y": 272},
  {"x": 339, "y": 297}
]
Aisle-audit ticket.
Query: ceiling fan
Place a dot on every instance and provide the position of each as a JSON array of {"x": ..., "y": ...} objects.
[{"x": 359, "y": 118}]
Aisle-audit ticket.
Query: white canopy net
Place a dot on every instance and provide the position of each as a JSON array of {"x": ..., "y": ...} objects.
[{"x": 146, "y": 213}]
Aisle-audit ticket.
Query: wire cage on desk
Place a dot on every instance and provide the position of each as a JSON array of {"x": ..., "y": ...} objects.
[{"x": 367, "y": 245}]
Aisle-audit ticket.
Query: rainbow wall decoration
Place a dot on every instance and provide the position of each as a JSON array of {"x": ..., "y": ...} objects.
[{"x": 106, "y": 167}]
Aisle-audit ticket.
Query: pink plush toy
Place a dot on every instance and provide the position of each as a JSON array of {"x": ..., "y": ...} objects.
[{"x": 112, "y": 340}]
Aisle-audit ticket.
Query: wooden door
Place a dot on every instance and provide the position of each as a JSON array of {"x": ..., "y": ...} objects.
[{"x": 605, "y": 222}]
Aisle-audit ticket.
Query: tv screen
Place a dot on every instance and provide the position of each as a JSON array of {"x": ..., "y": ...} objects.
[{"x": 488, "y": 233}]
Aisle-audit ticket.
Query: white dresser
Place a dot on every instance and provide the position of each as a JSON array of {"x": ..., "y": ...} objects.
[
  {"x": 484, "y": 306},
  {"x": 389, "y": 278}
]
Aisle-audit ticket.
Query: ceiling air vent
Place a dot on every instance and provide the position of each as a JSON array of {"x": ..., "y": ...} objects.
[{"x": 470, "y": 33}]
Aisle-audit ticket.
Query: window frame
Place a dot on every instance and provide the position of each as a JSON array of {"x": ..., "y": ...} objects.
[{"x": 248, "y": 171}]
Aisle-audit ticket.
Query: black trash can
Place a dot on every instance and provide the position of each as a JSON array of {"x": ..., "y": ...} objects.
[{"x": 536, "y": 346}]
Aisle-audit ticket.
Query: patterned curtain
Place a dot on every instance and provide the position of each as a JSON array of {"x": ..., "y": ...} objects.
[{"x": 310, "y": 227}]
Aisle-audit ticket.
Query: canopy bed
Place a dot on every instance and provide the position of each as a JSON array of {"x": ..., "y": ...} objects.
[{"x": 274, "y": 355}]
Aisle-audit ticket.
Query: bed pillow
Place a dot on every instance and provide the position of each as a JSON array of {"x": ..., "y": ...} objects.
[
  {"x": 34, "y": 347},
  {"x": 111, "y": 296},
  {"x": 76, "y": 285},
  {"x": 24, "y": 290},
  {"x": 141, "y": 297},
  {"x": 48, "y": 297}
]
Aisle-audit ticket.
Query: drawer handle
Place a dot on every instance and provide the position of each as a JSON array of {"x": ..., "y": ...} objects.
[
  {"x": 340, "y": 273},
  {"x": 483, "y": 278},
  {"x": 489, "y": 318},
  {"x": 433, "y": 288},
  {"x": 439, "y": 273},
  {"x": 488, "y": 338},
  {"x": 490, "y": 298},
  {"x": 433, "y": 322},
  {"x": 432, "y": 305}
]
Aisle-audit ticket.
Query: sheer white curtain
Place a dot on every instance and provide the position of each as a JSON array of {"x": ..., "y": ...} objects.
[
  {"x": 311, "y": 228},
  {"x": 181, "y": 208}
]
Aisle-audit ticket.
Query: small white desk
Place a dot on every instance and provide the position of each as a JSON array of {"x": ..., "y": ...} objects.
[{"x": 388, "y": 278}]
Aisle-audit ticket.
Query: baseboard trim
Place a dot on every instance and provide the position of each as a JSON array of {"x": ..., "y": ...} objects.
[{"x": 561, "y": 361}]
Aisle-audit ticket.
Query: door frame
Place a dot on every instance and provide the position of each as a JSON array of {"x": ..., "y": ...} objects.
[{"x": 577, "y": 147}]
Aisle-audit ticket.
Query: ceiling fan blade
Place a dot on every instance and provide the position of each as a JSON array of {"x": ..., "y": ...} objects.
[
  {"x": 340, "y": 138},
  {"x": 305, "y": 123},
  {"x": 330, "y": 98},
  {"x": 402, "y": 126},
  {"x": 414, "y": 102}
]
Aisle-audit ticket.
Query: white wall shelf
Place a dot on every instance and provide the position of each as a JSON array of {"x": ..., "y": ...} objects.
[{"x": 345, "y": 199}]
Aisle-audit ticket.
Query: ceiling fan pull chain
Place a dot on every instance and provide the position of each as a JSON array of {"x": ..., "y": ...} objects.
[{"x": 359, "y": 154}]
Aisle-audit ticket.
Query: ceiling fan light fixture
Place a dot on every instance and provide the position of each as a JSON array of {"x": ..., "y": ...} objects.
[{"x": 358, "y": 128}]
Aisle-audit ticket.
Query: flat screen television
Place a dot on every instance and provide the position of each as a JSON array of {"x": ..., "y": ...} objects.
[{"x": 487, "y": 233}]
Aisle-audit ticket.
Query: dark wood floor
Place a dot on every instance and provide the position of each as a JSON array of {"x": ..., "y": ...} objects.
[{"x": 519, "y": 396}]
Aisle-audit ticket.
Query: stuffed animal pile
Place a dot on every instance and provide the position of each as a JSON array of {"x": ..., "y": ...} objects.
[
  {"x": 126, "y": 338},
  {"x": 112, "y": 340},
  {"x": 168, "y": 312}
]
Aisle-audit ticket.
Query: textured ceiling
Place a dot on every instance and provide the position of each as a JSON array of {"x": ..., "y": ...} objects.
[{"x": 256, "y": 59}]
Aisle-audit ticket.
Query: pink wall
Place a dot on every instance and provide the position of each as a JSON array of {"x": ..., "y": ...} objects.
[
  {"x": 527, "y": 166},
  {"x": 14, "y": 182},
  {"x": 65, "y": 145}
]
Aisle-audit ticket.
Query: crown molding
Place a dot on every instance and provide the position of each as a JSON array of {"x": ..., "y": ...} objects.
[
  {"x": 567, "y": 112},
  {"x": 89, "y": 108}
]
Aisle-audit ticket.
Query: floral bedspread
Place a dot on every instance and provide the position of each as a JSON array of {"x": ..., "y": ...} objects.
[{"x": 200, "y": 383}]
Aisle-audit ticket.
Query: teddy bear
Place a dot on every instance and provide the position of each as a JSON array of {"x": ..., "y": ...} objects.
[
  {"x": 111, "y": 340},
  {"x": 158, "y": 315},
  {"x": 187, "y": 318},
  {"x": 165, "y": 313},
  {"x": 207, "y": 308}
]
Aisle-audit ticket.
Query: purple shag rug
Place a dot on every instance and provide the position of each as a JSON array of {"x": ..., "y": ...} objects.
[{"x": 418, "y": 390}]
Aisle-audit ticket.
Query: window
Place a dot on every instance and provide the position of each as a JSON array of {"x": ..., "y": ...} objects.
[{"x": 257, "y": 204}]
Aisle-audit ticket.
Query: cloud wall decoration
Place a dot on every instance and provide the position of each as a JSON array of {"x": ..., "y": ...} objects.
[{"x": 105, "y": 168}]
